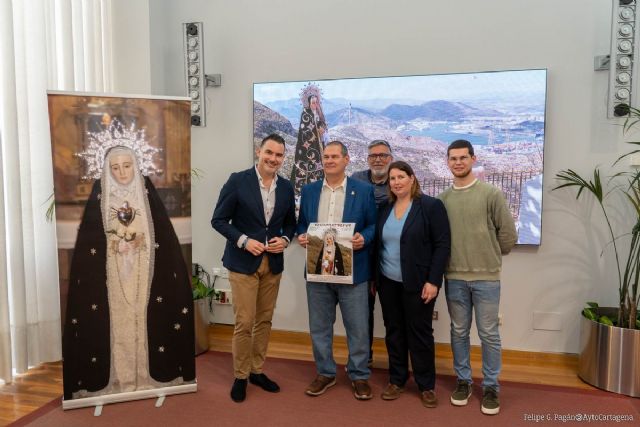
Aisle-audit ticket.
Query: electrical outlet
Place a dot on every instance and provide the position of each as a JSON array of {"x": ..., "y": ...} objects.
[{"x": 435, "y": 314}]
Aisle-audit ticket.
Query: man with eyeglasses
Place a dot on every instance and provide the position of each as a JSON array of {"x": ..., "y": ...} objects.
[
  {"x": 379, "y": 159},
  {"x": 482, "y": 230}
]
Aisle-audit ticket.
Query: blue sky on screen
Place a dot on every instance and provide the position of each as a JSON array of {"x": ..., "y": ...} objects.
[{"x": 420, "y": 88}]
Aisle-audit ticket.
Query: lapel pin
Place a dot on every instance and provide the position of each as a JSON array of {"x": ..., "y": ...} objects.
[{"x": 353, "y": 193}]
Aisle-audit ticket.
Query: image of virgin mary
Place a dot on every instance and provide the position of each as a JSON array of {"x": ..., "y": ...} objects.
[{"x": 129, "y": 319}]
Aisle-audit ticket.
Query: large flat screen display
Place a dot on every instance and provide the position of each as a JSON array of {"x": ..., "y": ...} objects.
[{"x": 501, "y": 113}]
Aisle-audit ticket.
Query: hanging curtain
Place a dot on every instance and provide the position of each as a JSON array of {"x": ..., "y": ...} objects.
[{"x": 44, "y": 45}]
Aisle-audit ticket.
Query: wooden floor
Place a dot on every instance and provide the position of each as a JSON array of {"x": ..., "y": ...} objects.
[
  {"x": 30, "y": 391},
  {"x": 42, "y": 384}
]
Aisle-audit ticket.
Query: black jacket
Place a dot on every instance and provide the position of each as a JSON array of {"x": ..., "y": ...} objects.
[
  {"x": 425, "y": 242},
  {"x": 240, "y": 211}
]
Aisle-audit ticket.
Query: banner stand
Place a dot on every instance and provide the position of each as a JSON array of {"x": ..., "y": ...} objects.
[{"x": 100, "y": 401}]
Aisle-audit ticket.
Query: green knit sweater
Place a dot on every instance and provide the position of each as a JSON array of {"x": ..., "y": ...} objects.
[{"x": 482, "y": 230}]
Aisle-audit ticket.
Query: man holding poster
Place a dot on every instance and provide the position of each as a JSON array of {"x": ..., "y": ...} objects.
[{"x": 334, "y": 202}]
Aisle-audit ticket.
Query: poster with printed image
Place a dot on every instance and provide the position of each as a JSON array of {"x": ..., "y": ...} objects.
[
  {"x": 122, "y": 174},
  {"x": 330, "y": 252}
]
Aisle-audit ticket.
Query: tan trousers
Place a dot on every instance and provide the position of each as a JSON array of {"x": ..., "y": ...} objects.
[{"x": 254, "y": 299}]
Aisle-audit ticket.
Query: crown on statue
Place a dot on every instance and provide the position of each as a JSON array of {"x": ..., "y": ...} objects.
[
  {"x": 308, "y": 90},
  {"x": 116, "y": 134}
]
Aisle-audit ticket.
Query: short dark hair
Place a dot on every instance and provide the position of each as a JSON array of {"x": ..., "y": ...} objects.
[
  {"x": 460, "y": 143},
  {"x": 406, "y": 168},
  {"x": 273, "y": 137},
  {"x": 343, "y": 148},
  {"x": 377, "y": 142}
]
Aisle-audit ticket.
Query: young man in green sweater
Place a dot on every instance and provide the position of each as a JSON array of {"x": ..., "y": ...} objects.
[{"x": 482, "y": 230}]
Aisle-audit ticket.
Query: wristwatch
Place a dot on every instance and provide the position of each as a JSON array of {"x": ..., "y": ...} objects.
[{"x": 244, "y": 243}]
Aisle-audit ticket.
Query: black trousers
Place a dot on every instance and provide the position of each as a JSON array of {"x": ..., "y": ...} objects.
[{"x": 407, "y": 320}]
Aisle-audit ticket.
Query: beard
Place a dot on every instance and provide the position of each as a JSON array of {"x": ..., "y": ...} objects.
[{"x": 379, "y": 174}]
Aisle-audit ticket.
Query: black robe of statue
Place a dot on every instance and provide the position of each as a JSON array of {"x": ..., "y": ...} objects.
[
  {"x": 86, "y": 344},
  {"x": 307, "y": 161}
]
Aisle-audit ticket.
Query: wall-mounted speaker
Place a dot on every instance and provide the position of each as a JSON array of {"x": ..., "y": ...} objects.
[
  {"x": 622, "y": 60},
  {"x": 194, "y": 71}
]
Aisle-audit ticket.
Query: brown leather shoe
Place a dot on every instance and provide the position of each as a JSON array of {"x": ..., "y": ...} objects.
[
  {"x": 392, "y": 392},
  {"x": 362, "y": 390},
  {"x": 320, "y": 385},
  {"x": 429, "y": 399}
]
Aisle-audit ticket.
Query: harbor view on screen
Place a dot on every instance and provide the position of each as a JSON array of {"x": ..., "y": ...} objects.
[{"x": 501, "y": 113}]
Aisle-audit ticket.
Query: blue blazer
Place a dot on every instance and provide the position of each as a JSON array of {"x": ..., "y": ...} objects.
[
  {"x": 359, "y": 208},
  {"x": 425, "y": 242},
  {"x": 240, "y": 211}
]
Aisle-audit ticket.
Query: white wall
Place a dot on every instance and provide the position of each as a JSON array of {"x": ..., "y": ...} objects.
[
  {"x": 279, "y": 40},
  {"x": 130, "y": 44}
]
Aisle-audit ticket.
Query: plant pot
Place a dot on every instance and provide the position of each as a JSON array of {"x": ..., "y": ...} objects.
[
  {"x": 609, "y": 356},
  {"x": 201, "y": 325}
]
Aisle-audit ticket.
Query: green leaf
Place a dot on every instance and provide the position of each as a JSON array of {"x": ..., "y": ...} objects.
[
  {"x": 200, "y": 289},
  {"x": 197, "y": 173},
  {"x": 570, "y": 178},
  {"x": 589, "y": 314},
  {"x": 51, "y": 209},
  {"x": 605, "y": 321},
  {"x": 592, "y": 304}
]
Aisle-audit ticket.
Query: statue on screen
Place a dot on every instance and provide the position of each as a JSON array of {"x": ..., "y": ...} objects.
[
  {"x": 129, "y": 321},
  {"x": 312, "y": 134}
]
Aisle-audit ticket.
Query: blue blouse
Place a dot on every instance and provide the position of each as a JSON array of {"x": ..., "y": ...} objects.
[{"x": 390, "y": 256}]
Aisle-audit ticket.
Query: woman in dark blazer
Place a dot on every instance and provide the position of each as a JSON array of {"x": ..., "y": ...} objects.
[{"x": 413, "y": 243}]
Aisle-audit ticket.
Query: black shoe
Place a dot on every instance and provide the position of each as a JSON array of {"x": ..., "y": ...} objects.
[
  {"x": 264, "y": 382},
  {"x": 239, "y": 390}
]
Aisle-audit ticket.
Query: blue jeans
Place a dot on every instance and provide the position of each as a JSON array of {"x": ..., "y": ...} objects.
[
  {"x": 484, "y": 297},
  {"x": 322, "y": 299}
]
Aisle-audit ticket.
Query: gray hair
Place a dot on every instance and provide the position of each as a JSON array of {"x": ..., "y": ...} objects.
[{"x": 377, "y": 142}]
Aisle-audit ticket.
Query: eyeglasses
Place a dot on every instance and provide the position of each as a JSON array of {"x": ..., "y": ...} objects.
[{"x": 381, "y": 156}]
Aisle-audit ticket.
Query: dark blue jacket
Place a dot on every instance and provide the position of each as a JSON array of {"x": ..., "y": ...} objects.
[
  {"x": 359, "y": 208},
  {"x": 425, "y": 242},
  {"x": 240, "y": 211}
]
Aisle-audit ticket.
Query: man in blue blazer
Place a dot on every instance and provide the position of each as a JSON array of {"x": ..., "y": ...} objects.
[
  {"x": 256, "y": 214},
  {"x": 332, "y": 200}
]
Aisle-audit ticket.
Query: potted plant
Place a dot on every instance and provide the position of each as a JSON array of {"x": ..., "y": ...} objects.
[
  {"x": 609, "y": 355},
  {"x": 203, "y": 291}
]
